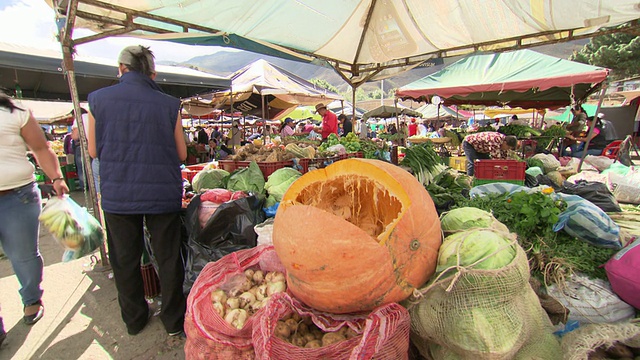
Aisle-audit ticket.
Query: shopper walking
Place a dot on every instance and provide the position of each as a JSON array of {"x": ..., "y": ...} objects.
[
  {"x": 20, "y": 201},
  {"x": 136, "y": 132}
]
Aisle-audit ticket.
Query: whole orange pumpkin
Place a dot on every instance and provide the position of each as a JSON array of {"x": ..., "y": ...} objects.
[{"x": 355, "y": 235}]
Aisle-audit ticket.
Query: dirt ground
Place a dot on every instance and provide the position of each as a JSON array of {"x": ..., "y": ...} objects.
[{"x": 82, "y": 317}]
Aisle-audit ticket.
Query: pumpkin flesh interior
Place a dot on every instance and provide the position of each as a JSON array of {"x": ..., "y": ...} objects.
[{"x": 357, "y": 199}]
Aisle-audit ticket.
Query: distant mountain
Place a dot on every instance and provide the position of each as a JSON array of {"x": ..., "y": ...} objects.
[{"x": 226, "y": 63}]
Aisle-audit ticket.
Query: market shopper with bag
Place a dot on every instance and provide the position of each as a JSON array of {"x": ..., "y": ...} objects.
[
  {"x": 486, "y": 145},
  {"x": 136, "y": 132},
  {"x": 20, "y": 201}
]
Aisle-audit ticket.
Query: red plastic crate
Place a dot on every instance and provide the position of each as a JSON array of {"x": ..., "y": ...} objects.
[
  {"x": 267, "y": 168},
  {"x": 188, "y": 174},
  {"x": 196, "y": 167},
  {"x": 499, "y": 169},
  {"x": 228, "y": 165},
  {"x": 317, "y": 163}
]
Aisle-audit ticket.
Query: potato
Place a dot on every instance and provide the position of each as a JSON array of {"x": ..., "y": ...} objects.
[
  {"x": 332, "y": 338},
  {"x": 303, "y": 328},
  {"x": 309, "y": 337},
  {"x": 350, "y": 333},
  {"x": 313, "y": 344},
  {"x": 295, "y": 316},
  {"x": 317, "y": 333},
  {"x": 282, "y": 330},
  {"x": 298, "y": 340},
  {"x": 307, "y": 320},
  {"x": 292, "y": 324}
]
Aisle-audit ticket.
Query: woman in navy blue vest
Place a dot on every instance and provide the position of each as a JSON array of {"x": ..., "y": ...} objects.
[{"x": 136, "y": 132}]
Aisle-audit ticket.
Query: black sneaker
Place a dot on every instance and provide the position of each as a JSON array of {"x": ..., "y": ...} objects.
[
  {"x": 3, "y": 335},
  {"x": 34, "y": 318},
  {"x": 178, "y": 334}
]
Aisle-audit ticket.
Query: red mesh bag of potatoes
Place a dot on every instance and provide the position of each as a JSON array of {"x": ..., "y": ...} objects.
[{"x": 286, "y": 329}]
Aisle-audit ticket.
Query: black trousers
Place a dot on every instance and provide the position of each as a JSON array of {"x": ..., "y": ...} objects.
[{"x": 126, "y": 240}]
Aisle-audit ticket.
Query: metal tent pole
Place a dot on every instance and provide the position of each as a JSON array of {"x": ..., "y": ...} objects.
[
  {"x": 65, "y": 34},
  {"x": 592, "y": 126}
]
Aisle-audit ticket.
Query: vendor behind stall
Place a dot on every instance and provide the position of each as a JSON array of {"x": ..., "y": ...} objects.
[
  {"x": 486, "y": 145},
  {"x": 597, "y": 140}
]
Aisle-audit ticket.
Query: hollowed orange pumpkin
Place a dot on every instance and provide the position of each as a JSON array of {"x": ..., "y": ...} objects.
[{"x": 355, "y": 235}]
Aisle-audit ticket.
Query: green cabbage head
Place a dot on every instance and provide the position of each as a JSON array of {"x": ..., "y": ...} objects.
[
  {"x": 209, "y": 179},
  {"x": 280, "y": 180},
  {"x": 467, "y": 218}
]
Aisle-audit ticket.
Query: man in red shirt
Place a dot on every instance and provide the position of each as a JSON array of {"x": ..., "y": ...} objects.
[
  {"x": 413, "y": 127},
  {"x": 486, "y": 145},
  {"x": 329, "y": 121}
]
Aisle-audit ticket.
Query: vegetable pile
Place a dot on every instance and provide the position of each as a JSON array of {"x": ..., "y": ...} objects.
[
  {"x": 247, "y": 293},
  {"x": 552, "y": 255},
  {"x": 302, "y": 332}
]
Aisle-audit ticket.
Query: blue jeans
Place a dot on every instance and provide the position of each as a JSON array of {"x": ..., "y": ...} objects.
[
  {"x": 19, "y": 229},
  {"x": 579, "y": 153},
  {"x": 472, "y": 155}
]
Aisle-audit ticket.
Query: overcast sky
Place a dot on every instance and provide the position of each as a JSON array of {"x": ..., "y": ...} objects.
[{"x": 32, "y": 23}]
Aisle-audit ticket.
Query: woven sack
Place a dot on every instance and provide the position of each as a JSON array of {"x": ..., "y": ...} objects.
[{"x": 483, "y": 314}]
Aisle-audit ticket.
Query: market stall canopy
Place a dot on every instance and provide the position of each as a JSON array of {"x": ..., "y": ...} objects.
[
  {"x": 300, "y": 113},
  {"x": 527, "y": 113},
  {"x": 49, "y": 112},
  {"x": 431, "y": 111},
  {"x": 362, "y": 39},
  {"x": 39, "y": 75},
  {"x": 522, "y": 78},
  {"x": 282, "y": 90},
  {"x": 386, "y": 111}
]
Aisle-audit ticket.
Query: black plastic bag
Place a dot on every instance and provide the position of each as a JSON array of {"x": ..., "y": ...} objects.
[
  {"x": 229, "y": 229},
  {"x": 595, "y": 192},
  {"x": 530, "y": 181},
  {"x": 545, "y": 180}
]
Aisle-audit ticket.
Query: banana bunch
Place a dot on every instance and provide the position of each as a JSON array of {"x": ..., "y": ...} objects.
[{"x": 64, "y": 227}]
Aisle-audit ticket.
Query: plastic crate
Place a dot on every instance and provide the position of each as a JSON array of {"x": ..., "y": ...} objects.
[
  {"x": 196, "y": 167},
  {"x": 478, "y": 182},
  {"x": 228, "y": 165},
  {"x": 499, "y": 170},
  {"x": 188, "y": 174},
  {"x": 317, "y": 163},
  {"x": 72, "y": 175},
  {"x": 357, "y": 154},
  {"x": 267, "y": 168},
  {"x": 458, "y": 163}
]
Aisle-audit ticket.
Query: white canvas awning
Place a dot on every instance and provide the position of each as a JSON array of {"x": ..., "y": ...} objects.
[{"x": 362, "y": 39}]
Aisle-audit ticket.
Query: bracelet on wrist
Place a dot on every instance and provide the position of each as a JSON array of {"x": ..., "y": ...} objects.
[{"x": 53, "y": 181}]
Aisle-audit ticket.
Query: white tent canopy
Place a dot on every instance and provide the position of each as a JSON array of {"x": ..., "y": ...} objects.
[
  {"x": 47, "y": 112},
  {"x": 362, "y": 39}
]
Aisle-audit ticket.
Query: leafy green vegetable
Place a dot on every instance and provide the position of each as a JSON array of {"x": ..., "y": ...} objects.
[
  {"x": 519, "y": 131},
  {"x": 533, "y": 162},
  {"x": 551, "y": 255},
  {"x": 279, "y": 181},
  {"x": 481, "y": 248},
  {"x": 249, "y": 179},
  {"x": 209, "y": 179},
  {"x": 425, "y": 163},
  {"x": 467, "y": 218}
]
